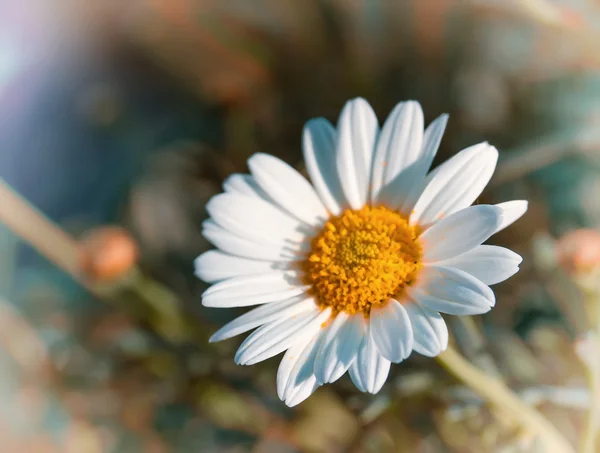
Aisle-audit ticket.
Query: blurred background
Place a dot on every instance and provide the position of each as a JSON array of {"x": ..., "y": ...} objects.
[{"x": 120, "y": 119}]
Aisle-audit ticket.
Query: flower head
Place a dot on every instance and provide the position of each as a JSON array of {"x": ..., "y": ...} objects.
[{"x": 352, "y": 271}]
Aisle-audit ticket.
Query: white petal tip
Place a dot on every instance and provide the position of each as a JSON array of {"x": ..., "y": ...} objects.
[
  {"x": 414, "y": 103},
  {"x": 512, "y": 211},
  {"x": 256, "y": 160},
  {"x": 491, "y": 150},
  {"x": 314, "y": 122},
  {"x": 292, "y": 403},
  {"x": 374, "y": 390},
  {"x": 334, "y": 375},
  {"x": 300, "y": 396},
  {"x": 357, "y": 99},
  {"x": 258, "y": 156},
  {"x": 431, "y": 352},
  {"x": 204, "y": 304},
  {"x": 220, "y": 335},
  {"x": 208, "y": 302}
]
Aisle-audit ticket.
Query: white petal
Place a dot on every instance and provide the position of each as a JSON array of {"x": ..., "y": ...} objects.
[
  {"x": 370, "y": 369},
  {"x": 287, "y": 364},
  {"x": 452, "y": 291},
  {"x": 301, "y": 376},
  {"x": 391, "y": 331},
  {"x": 339, "y": 347},
  {"x": 235, "y": 245},
  {"x": 288, "y": 188},
  {"x": 253, "y": 290},
  {"x": 215, "y": 265},
  {"x": 511, "y": 212},
  {"x": 319, "y": 155},
  {"x": 460, "y": 232},
  {"x": 303, "y": 391},
  {"x": 271, "y": 339},
  {"x": 489, "y": 263},
  {"x": 256, "y": 219},
  {"x": 354, "y": 372},
  {"x": 357, "y": 133},
  {"x": 398, "y": 150},
  {"x": 431, "y": 332},
  {"x": 455, "y": 184},
  {"x": 431, "y": 142},
  {"x": 238, "y": 183},
  {"x": 262, "y": 315}
]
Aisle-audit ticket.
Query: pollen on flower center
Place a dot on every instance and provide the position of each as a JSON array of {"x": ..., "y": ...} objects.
[{"x": 362, "y": 258}]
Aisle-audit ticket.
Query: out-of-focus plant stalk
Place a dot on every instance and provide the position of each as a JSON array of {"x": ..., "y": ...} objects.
[
  {"x": 497, "y": 394},
  {"x": 579, "y": 255},
  {"x": 472, "y": 343},
  {"x": 591, "y": 359},
  {"x": 73, "y": 257},
  {"x": 43, "y": 235},
  {"x": 588, "y": 440}
]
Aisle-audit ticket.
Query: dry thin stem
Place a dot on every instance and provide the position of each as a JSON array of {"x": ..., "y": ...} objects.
[
  {"x": 543, "y": 152},
  {"x": 588, "y": 440},
  {"x": 590, "y": 433},
  {"x": 23, "y": 345},
  {"x": 37, "y": 230},
  {"x": 66, "y": 253},
  {"x": 497, "y": 394}
]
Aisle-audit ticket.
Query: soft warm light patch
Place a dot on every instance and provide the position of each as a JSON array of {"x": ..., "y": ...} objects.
[{"x": 362, "y": 258}]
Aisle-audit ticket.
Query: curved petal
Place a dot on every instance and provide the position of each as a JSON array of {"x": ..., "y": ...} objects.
[
  {"x": 357, "y": 133},
  {"x": 370, "y": 369},
  {"x": 396, "y": 155},
  {"x": 307, "y": 388},
  {"x": 391, "y": 331},
  {"x": 271, "y": 339},
  {"x": 511, "y": 212},
  {"x": 318, "y": 145},
  {"x": 288, "y": 188},
  {"x": 239, "y": 246},
  {"x": 254, "y": 218},
  {"x": 264, "y": 314},
  {"x": 253, "y": 290},
  {"x": 489, "y": 263},
  {"x": 291, "y": 357},
  {"x": 297, "y": 384},
  {"x": 460, "y": 232},
  {"x": 431, "y": 142},
  {"x": 431, "y": 332},
  {"x": 455, "y": 184},
  {"x": 339, "y": 347},
  {"x": 452, "y": 291},
  {"x": 215, "y": 265},
  {"x": 242, "y": 184}
]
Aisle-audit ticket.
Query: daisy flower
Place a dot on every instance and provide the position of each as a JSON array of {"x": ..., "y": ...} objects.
[{"x": 352, "y": 271}]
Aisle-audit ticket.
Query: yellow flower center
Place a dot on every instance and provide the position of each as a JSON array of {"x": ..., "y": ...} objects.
[{"x": 362, "y": 258}]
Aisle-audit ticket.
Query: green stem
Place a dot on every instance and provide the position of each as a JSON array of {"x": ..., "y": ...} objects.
[{"x": 497, "y": 394}]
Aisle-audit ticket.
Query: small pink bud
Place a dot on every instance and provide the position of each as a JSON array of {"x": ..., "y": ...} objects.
[
  {"x": 109, "y": 252},
  {"x": 579, "y": 250}
]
